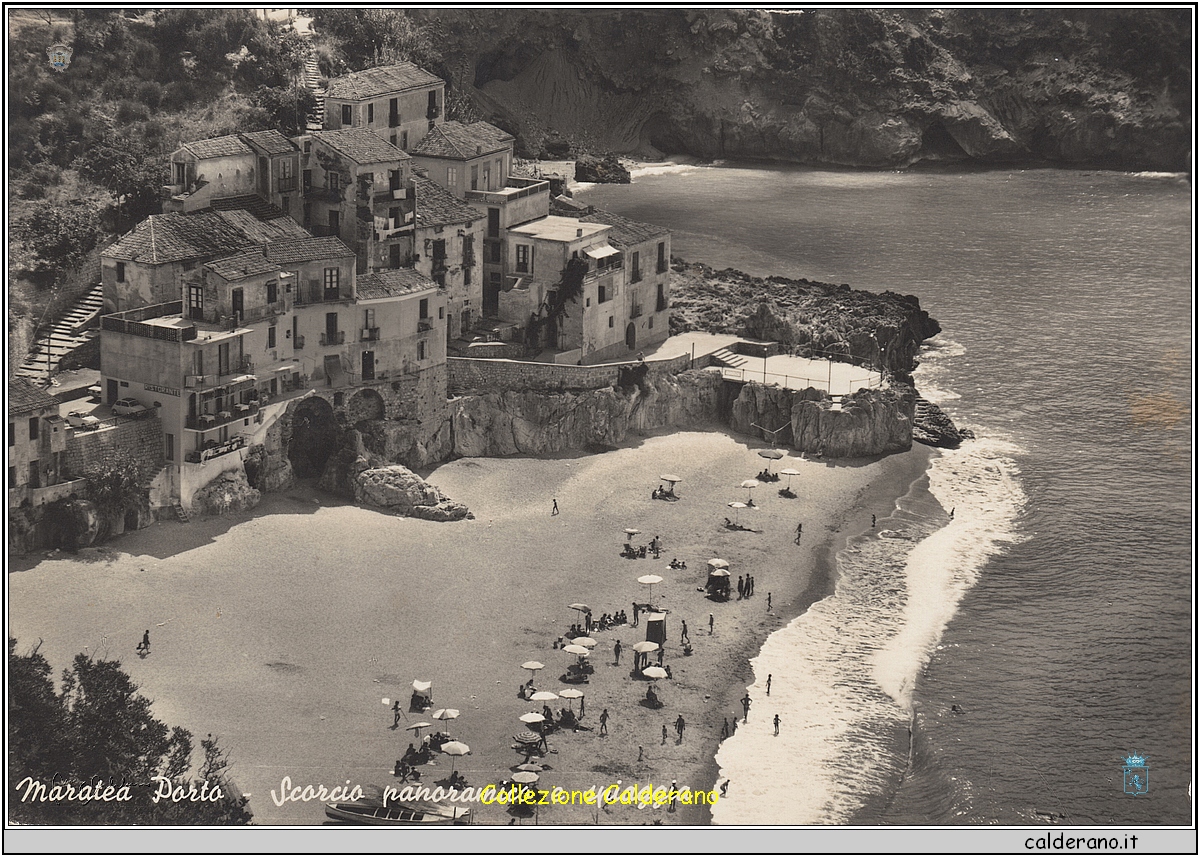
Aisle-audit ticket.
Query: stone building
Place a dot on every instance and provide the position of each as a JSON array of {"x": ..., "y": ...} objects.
[
  {"x": 462, "y": 157},
  {"x": 37, "y": 439},
  {"x": 449, "y": 236},
  {"x": 265, "y": 164},
  {"x": 400, "y": 103}
]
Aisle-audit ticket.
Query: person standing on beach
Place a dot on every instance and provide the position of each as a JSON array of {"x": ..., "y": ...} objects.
[
  {"x": 710, "y": 624},
  {"x": 395, "y": 714},
  {"x": 554, "y": 510},
  {"x": 749, "y": 585},
  {"x": 664, "y": 740},
  {"x": 952, "y": 508},
  {"x": 733, "y": 726},
  {"x": 679, "y": 724},
  {"x": 635, "y": 614},
  {"x": 582, "y": 706},
  {"x": 724, "y": 728},
  {"x": 768, "y": 600},
  {"x": 741, "y": 588},
  {"x": 617, "y": 654},
  {"x": 872, "y": 522},
  {"x": 768, "y": 684},
  {"x": 746, "y": 708},
  {"x": 683, "y": 635},
  {"x": 641, "y": 752},
  {"x": 776, "y": 724},
  {"x": 799, "y": 532},
  {"x": 724, "y": 787},
  {"x": 604, "y": 722}
]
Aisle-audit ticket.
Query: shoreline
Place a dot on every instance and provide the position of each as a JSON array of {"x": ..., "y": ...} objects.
[{"x": 311, "y": 650}]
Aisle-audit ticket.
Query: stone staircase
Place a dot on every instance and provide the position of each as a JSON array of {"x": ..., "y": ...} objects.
[
  {"x": 75, "y": 329},
  {"x": 312, "y": 80},
  {"x": 730, "y": 359}
]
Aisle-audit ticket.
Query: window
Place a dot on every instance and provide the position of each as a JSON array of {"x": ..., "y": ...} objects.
[
  {"x": 223, "y": 358},
  {"x": 333, "y": 181},
  {"x": 394, "y": 179},
  {"x": 474, "y": 177},
  {"x": 424, "y": 307},
  {"x": 394, "y": 216},
  {"x": 393, "y": 112},
  {"x": 610, "y": 321},
  {"x": 307, "y": 216},
  {"x": 493, "y": 250},
  {"x": 500, "y": 171},
  {"x": 285, "y": 203},
  {"x": 651, "y": 323},
  {"x": 169, "y": 446},
  {"x": 196, "y": 303},
  {"x": 238, "y": 300},
  {"x": 466, "y": 276},
  {"x": 451, "y": 176},
  {"x": 404, "y": 140},
  {"x": 493, "y": 226},
  {"x": 662, "y": 257},
  {"x": 487, "y": 179},
  {"x": 522, "y": 258},
  {"x": 332, "y": 283},
  {"x": 636, "y": 267},
  {"x": 370, "y": 113},
  {"x": 35, "y": 474},
  {"x": 394, "y": 255},
  {"x": 307, "y": 180},
  {"x": 335, "y": 223},
  {"x": 421, "y": 350},
  {"x": 120, "y": 272},
  {"x": 272, "y": 291},
  {"x": 33, "y": 428},
  {"x": 601, "y": 294},
  {"x": 368, "y": 318},
  {"x": 271, "y": 336},
  {"x": 441, "y": 312},
  {"x": 346, "y": 115}
]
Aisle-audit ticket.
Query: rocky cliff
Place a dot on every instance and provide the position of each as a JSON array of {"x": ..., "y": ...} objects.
[{"x": 862, "y": 87}]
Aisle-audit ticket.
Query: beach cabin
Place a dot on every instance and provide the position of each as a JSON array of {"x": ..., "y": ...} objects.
[{"x": 656, "y": 628}]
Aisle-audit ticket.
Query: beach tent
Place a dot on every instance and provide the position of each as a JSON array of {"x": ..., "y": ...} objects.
[{"x": 656, "y": 628}]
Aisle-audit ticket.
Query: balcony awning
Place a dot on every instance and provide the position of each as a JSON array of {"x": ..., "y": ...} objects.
[
  {"x": 290, "y": 367},
  {"x": 602, "y": 252}
]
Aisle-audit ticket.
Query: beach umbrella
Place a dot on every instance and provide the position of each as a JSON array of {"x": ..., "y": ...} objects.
[
  {"x": 531, "y": 767},
  {"x": 645, "y": 647},
  {"x": 717, "y": 563},
  {"x": 789, "y": 472},
  {"x": 670, "y": 477},
  {"x": 455, "y": 748},
  {"x": 524, "y": 777},
  {"x": 586, "y": 642},
  {"x": 571, "y": 694},
  {"x": 650, "y": 580},
  {"x": 445, "y": 714},
  {"x": 632, "y": 531},
  {"x": 576, "y": 650},
  {"x": 531, "y": 717},
  {"x": 527, "y": 737},
  {"x": 719, "y": 572},
  {"x": 737, "y": 508},
  {"x": 533, "y": 667},
  {"x": 654, "y": 672},
  {"x": 544, "y": 696},
  {"x": 750, "y": 485},
  {"x": 773, "y": 454},
  {"x": 417, "y": 727}
]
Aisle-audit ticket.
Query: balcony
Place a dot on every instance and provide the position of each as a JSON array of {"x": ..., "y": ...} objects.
[
  {"x": 661, "y": 304},
  {"x": 285, "y": 184},
  {"x": 635, "y": 276},
  {"x": 212, "y": 450},
  {"x": 636, "y": 311},
  {"x": 337, "y": 338},
  {"x": 370, "y": 334},
  {"x": 298, "y": 342},
  {"x": 424, "y": 325},
  {"x": 207, "y": 422},
  {"x": 197, "y": 382}
]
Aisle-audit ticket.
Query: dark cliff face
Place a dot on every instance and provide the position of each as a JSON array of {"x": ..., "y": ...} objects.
[{"x": 863, "y": 87}]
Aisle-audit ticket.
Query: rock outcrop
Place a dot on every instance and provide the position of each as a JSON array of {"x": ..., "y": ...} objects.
[
  {"x": 607, "y": 170},
  {"x": 399, "y": 490},
  {"x": 856, "y": 87},
  {"x": 229, "y": 492},
  {"x": 933, "y": 427}
]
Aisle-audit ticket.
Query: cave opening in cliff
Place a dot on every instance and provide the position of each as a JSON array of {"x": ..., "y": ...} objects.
[
  {"x": 314, "y": 437},
  {"x": 938, "y": 144}
]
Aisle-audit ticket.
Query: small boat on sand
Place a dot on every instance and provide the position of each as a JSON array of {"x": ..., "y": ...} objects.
[{"x": 397, "y": 813}]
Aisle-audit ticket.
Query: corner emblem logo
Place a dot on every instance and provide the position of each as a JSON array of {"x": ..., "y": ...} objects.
[
  {"x": 60, "y": 56},
  {"x": 1137, "y": 775}
]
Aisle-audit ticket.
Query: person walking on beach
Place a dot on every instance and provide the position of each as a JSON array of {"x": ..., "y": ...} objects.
[
  {"x": 733, "y": 726},
  {"x": 768, "y": 684},
  {"x": 144, "y": 646},
  {"x": 724, "y": 728},
  {"x": 776, "y": 724},
  {"x": 741, "y": 588},
  {"x": 395, "y": 714},
  {"x": 617, "y": 654},
  {"x": 635, "y": 614},
  {"x": 724, "y": 787},
  {"x": 768, "y": 600},
  {"x": 554, "y": 509},
  {"x": 799, "y": 532},
  {"x": 746, "y": 708},
  {"x": 664, "y": 740},
  {"x": 683, "y": 634},
  {"x": 710, "y": 624},
  {"x": 679, "y": 724},
  {"x": 952, "y": 508},
  {"x": 872, "y": 522},
  {"x": 641, "y": 752},
  {"x": 604, "y": 722}
]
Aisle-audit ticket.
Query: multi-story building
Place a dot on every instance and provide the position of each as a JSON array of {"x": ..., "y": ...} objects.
[
  {"x": 357, "y": 189},
  {"x": 265, "y": 164},
  {"x": 37, "y": 439},
  {"x": 463, "y": 157},
  {"x": 449, "y": 236},
  {"x": 519, "y": 201},
  {"x": 398, "y": 330},
  {"x": 400, "y": 103}
]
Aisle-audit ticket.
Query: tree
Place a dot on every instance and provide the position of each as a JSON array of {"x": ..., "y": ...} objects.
[
  {"x": 59, "y": 237},
  {"x": 126, "y": 169},
  {"x": 99, "y": 730},
  {"x": 116, "y": 484},
  {"x": 286, "y": 108}
]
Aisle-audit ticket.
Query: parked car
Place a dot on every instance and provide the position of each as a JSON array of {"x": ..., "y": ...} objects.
[
  {"x": 82, "y": 421},
  {"x": 95, "y": 393},
  {"x": 128, "y": 407}
]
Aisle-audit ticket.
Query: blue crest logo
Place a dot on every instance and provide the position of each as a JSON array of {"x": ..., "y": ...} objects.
[
  {"x": 60, "y": 56},
  {"x": 1137, "y": 774}
]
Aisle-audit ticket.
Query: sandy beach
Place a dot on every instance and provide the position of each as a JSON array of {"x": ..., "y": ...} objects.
[{"x": 281, "y": 630}]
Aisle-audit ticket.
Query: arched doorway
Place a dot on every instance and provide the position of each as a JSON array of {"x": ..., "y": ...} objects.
[
  {"x": 314, "y": 437},
  {"x": 631, "y": 336}
]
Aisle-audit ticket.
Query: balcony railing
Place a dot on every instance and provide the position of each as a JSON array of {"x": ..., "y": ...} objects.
[
  {"x": 636, "y": 312},
  {"x": 205, "y": 422},
  {"x": 298, "y": 342},
  {"x": 424, "y": 325},
  {"x": 370, "y": 334},
  {"x": 286, "y": 184},
  {"x": 213, "y": 450},
  {"x": 338, "y": 338}
]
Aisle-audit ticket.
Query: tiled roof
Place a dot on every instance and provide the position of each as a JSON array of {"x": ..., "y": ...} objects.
[
  {"x": 270, "y": 141},
  {"x": 218, "y": 147},
  {"x": 436, "y": 206},
  {"x": 250, "y": 203},
  {"x": 459, "y": 141},
  {"x": 626, "y": 232},
  {"x": 360, "y": 145},
  {"x": 307, "y": 250},
  {"x": 173, "y": 237},
  {"x": 380, "y": 81},
  {"x": 245, "y": 264},
  {"x": 261, "y": 232},
  {"x": 393, "y": 283},
  {"x": 25, "y": 398}
]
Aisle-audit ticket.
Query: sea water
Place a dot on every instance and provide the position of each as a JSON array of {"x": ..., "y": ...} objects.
[{"x": 996, "y": 667}]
